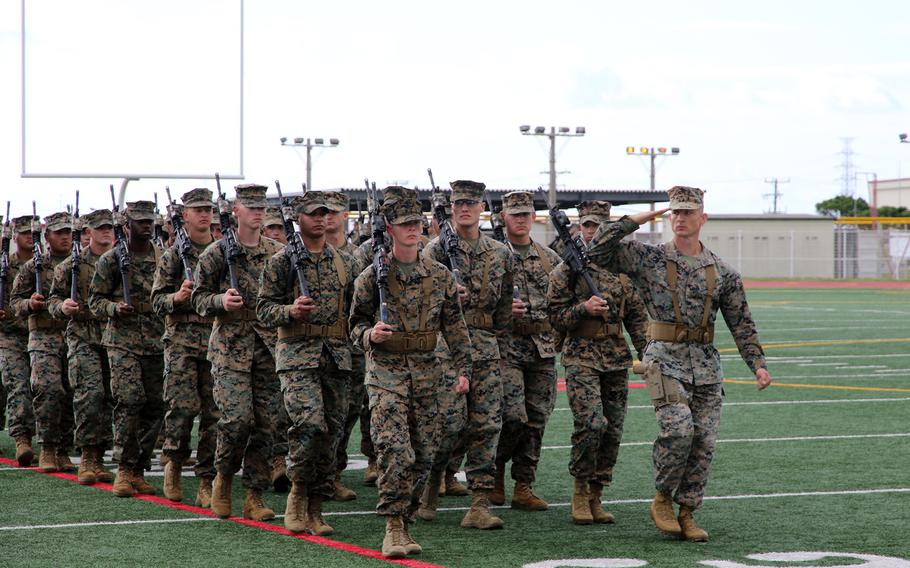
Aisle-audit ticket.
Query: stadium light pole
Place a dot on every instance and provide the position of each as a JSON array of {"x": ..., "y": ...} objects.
[
  {"x": 552, "y": 134},
  {"x": 309, "y": 144},
  {"x": 903, "y": 138},
  {"x": 652, "y": 153}
]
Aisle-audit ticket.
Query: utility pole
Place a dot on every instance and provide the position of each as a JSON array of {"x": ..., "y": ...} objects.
[
  {"x": 775, "y": 194},
  {"x": 309, "y": 144},
  {"x": 652, "y": 153},
  {"x": 552, "y": 134}
]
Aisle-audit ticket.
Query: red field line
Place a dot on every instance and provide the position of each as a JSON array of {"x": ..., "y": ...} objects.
[
  {"x": 321, "y": 541},
  {"x": 829, "y": 284}
]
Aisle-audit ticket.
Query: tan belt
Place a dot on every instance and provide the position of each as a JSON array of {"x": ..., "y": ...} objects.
[
  {"x": 596, "y": 329},
  {"x": 678, "y": 333},
  {"x": 243, "y": 314},
  {"x": 336, "y": 331},
  {"x": 409, "y": 342},
  {"x": 530, "y": 328},
  {"x": 479, "y": 320},
  {"x": 45, "y": 322},
  {"x": 171, "y": 319}
]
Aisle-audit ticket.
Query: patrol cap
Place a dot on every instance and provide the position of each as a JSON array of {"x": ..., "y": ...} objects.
[
  {"x": 516, "y": 202},
  {"x": 141, "y": 211},
  {"x": 683, "y": 197},
  {"x": 58, "y": 221},
  {"x": 98, "y": 218},
  {"x": 467, "y": 189},
  {"x": 309, "y": 202},
  {"x": 216, "y": 219},
  {"x": 199, "y": 197},
  {"x": 251, "y": 195},
  {"x": 272, "y": 216},
  {"x": 336, "y": 201},
  {"x": 23, "y": 224},
  {"x": 400, "y": 205},
  {"x": 594, "y": 212}
]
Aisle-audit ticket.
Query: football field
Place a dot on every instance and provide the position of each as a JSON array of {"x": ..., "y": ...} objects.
[{"x": 818, "y": 463}]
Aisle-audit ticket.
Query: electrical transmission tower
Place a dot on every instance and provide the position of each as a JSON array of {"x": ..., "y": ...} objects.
[
  {"x": 848, "y": 176},
  {"x": 776, "y": 194}
]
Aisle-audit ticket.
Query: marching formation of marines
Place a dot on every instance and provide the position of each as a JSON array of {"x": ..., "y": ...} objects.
[{"x": 278, "y": 332}]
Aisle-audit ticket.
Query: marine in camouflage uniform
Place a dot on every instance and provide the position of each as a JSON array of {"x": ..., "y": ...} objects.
[
  {"x": 89, "y": 370},
  {"x": 241, "y": 350},
  {"x": 52, "y": 397},
  {"x": 15, "y": 370},
  {"x": 529, "y": 370},
  {"x": 132, "y": 337},
  {"x": 187, "y": 371},
  {"x": 597, "y": 358},
  {"x": 486, "y": 268},
  {"x": 683, "y": 284},
  {"x": 313, "y": 359},
  {"x": 403, "y": 377}
]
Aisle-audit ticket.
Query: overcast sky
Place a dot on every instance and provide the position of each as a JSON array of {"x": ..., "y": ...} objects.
[{"x": 747, "y": 92}]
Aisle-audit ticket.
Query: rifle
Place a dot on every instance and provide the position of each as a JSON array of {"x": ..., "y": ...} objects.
[
  {"x": 121, "y": 249},
  {"x": 4, "y": 258},
  {"x": 76, "y": 252},
  {"x": 158, "y": 239},
  {"x": 380, "y": 256},
  {"x": 295, "y": 250},
  {"x": 575, "y": 255},
  {"x": 496, "y": 221},
  {"x": 448, "y": 240},
  {"x": 230, "y": 247},
  {"x": 36, "y": 250},
  {"x": 181, "y": 238}
]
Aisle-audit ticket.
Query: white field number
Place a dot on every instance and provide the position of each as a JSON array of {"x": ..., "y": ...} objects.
[{"x": 869, "y": 561}]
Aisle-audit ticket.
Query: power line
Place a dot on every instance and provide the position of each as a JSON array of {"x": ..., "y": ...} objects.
[{"x": 776, "y": 194}]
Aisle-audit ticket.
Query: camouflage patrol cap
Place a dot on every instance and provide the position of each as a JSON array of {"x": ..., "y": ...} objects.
[
  {"x": 199, "y": 197},
  {"x": 467, "y": 189},
  {"x": 141, "y": 211},
  {"x": 216, "y": 220},
  {"x": 272, "y": 216},
  {"x": 98, "y": 218},
  {"x": 23, "y": 224},
  {"x": 337, "y": 201},
  {"x": 58, "y": 221},
  {"x": 251, "y": 195},
  {"x": 396, "y": 192},
  {"x": 309, "y": 202},
  {"x": 516, "y": 202},
  {"x": 683, "y": 197},
  {"x": 400, "y": 205},
  {"x": 594, "y": 212}
]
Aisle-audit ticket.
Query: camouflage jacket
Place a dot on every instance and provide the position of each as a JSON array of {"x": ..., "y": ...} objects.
[
  {"x": 532, "y": 277},
  {"x": 139, "y": 333},
  {"x": 233, "y": 339},
  {"x": 49, "y": 337},
  {"x": 329, "y": 289},
  {"x": 12, "y": 324},
  {"x": 439, "y": 308},
  {"x": 493, "y": 260},
  {"x": 646, "y": 265},
  {"x": 83, "y": 326},
  {"x": 567, "y": 296},
  {"x": 361, "y": 262},
  {"x": 190, "y": 335}
]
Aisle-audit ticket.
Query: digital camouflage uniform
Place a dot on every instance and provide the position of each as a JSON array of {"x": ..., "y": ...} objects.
[
  {"x": 486, "y": 270},
  {"x": 688, "y": 428},
  {"x": 52, "y": 397},
  {"x": 188, "y": 386}
]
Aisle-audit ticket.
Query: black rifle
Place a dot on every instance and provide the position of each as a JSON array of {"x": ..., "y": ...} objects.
[
  {"x": 76, "y": 253},
  {"x": 295, "y": 250},
  {"x": 230, "y": 248},
  {"x": 575, "y": 255},
  {"x": 496, "y": 221},
  {"x": 181, "y": 238},
  {"x": 121, "y": 249},
  {"x": 380, "y": 256},
  {"x": 36, "y": 250},
  {"x": 4, "y": 257},
  {"x": 448, "y": 240},
  {"x": 158, "y": 239}
]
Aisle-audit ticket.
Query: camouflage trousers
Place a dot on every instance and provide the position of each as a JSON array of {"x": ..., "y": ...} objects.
[
  {"x": 528, "y": 398},
  {"x": 188, "y": 393},
  {"x": 2, "y": 406},
  {"x": 598, "y": 401},
  {"x": 684, "y": 447},
  {"x": 451, "y": 423},
  {"x": 93, "y": 401},
  {"x": 247, "y": 402},
  {"x": 404, "y": 430},
  {"x": 52, "y": 398},
  {"x": 136, "y": 383},
  {"x": 358, "y": 410},
  {"x": 316, "y": 401},
  {"x": 15, "y": 374},
  {"x": 282, "y": 423}
]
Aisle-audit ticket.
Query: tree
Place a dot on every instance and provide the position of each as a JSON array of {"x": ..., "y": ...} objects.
[
  {"x": 889, "y": 211},
  {"x": 843, "y": 206}
]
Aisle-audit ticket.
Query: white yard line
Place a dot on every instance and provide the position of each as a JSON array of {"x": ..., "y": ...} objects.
[
  {"x": 800, "y": 358},
  {"x": 780, "y": 402},
  {"x": 108, "y": 523},
  {"x": 752, "y": 440}
]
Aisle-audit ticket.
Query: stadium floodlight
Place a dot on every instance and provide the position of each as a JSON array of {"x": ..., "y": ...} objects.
[
  {"x": 333, "y": 141},
  {"x": 298, "y": 140},
  {"x": 309, "y": 144},
  {"x": 284, "y": 140},
  {"x": 903, "y": 138},
  {"x": 580, "y": 130},
  {"x": 563, "y": 129},
  {"x": 539, "y": 130},
  {"x": 525, "y": 129}
]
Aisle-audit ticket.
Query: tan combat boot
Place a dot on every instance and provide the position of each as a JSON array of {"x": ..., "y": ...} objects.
[
  {"x": 221, "y": 495},
  {"x": 64, "y": 463},
  {"x": 315, "y": 523},
  {"x": 430, "y": 498},
  {"x": 442, "y": 485},
  {"x": 254, "y": 508},
  {"x": 295, "y": 511},
  {"x": 663, "y": 516},
  {"x": 47, "y": 461},
  {"x": 122, "y": 486},
  {"x": 101, "y": 474},
  {"x": 410, "y": 545},
  {"x": 393, "y": 543},
  {"x": 141, "y": 486},
  {"x": 371, "y": 474},
  {"x": 86, "y": 473},
  {"x": 523, "y": 498},
  {"x": 498, "y": 495},
  {"x": 691, "y": 531},
  {"x": 595, "y": 490},
  {"x": 454, "y": 487},
  {"x": 172, "y": 486},
  {"x": 280, "y": 480},
  {"x": 342, "y": 492},
  {"x": 581, "y": 505},
  {"x": 204, "y": 493},
  {"x": 479, "y": 516},
  {"x": 24, "y": 452}
]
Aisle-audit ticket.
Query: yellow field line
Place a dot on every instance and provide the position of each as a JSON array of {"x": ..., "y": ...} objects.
[
  {"x": 810, "y": 386},
  {"x": 823, "y": 343}
]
